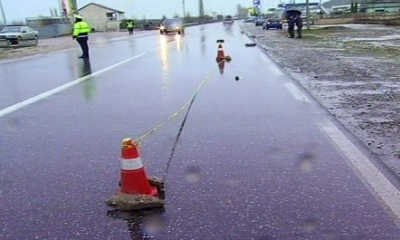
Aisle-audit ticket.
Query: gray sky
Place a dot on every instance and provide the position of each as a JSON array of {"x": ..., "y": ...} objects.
[{"x": 19, "y": 9}]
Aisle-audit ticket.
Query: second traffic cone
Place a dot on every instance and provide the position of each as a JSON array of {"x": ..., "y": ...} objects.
[
  {"x": 133, "y": 175},
  {"x": 220, "y": 53}
]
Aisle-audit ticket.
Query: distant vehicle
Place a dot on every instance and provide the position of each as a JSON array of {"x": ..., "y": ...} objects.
[
  {"x": 249, "y": 20},
  {"x": 228, "y": 20},
  {"x": 261, "y": 21},
  {"x": 272, "y": 23},
  {"x": 172, "y": 25},
  {"x": 14, "y": 34}
]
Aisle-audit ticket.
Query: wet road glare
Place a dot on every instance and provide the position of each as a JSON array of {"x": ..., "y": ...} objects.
[{"x": 251, "y": 163}]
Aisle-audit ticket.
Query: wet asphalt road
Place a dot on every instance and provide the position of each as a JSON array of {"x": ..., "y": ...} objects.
[{"x": 251, "y": 163}]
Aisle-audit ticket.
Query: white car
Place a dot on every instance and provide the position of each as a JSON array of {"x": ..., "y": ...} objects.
[{"x": 15, "y": 34}]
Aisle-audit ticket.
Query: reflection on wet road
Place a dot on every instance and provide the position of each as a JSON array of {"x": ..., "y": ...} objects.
[{"x": 255, "y": 160}]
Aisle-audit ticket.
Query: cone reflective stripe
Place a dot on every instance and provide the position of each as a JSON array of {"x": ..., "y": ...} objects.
[{"x": 133, "y": 175}]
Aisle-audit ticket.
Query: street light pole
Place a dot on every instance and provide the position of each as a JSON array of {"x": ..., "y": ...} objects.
[
  {"x": 3, "y": 14},
  {"x": 308, "y": 14}
]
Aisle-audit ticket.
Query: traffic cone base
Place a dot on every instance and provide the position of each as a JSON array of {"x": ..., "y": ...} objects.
[{"x": 132, "y": 202}]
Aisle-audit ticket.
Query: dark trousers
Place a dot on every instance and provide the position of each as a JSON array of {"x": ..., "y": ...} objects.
[
  {"x": 130, "y": 30},
  {"x": 299, "y": 31},
  {"x": 83, "y": 42},
  {"x": 291, "y": 32}
]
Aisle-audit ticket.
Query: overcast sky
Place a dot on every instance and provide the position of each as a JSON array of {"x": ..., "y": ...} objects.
[{"x": 19, "y": 9}]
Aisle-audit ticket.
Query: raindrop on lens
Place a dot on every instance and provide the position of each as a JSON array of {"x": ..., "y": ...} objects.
[
  {"x": 306, "y": 162},
  {"x": 153, "y": 225},
  {"x": 193, "y": 174},
  {"x": 309, "y": 225}
]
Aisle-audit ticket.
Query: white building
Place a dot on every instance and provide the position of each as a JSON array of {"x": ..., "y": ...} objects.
[{"x": 100, "y": 17}]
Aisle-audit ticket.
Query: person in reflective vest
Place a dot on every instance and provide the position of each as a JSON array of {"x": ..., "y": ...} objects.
[
  {"x": 130, "y": 25},
  {"x": 81, "y": 35}
]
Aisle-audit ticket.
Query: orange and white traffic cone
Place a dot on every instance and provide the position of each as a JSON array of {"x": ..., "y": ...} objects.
[
  {"x": 133, "y": 175},
  {"x": 220, "y": 53}
]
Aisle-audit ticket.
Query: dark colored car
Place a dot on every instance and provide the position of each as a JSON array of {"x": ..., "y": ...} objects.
[
  {"x": 172, "y": 25},
  {"x": 272, "y": 23},
  {"x": 260, "y": 22}
]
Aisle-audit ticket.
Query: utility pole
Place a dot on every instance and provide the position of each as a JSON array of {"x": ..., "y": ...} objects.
[
  {"x": 308, "y": 14},
  {"x": 184, "y": 10},
  {"x": 201, "y": 10},
  {"x": 3, "y": 14}
]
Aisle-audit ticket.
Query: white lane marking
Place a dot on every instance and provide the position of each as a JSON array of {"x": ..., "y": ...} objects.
[
  {"x": 61, "y": 88},
  {"x": 296, "y": 92},
  {"x": 275, "y": 70},
  {"x": 368, "y": 173},
  {"x": 19, "y": 59},
  {"x": 264, "y": 58}
]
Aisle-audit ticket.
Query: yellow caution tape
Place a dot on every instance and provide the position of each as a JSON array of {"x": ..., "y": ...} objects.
[{"x": 177, "y": 113}]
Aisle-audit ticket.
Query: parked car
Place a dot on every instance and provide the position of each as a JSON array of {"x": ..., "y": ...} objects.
[
  {"x": 15, "y": 34},
  {"x": 174, "y": 25},
  {"x": 261, "y": 21},
  {"x": 272, "y": 23},
  {"x": 228, "y": 20}
]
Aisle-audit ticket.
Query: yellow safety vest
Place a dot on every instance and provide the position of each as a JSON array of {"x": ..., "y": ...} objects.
[
  {"x": 81, "y": 29},
  {"x": 130, "y": 25}
]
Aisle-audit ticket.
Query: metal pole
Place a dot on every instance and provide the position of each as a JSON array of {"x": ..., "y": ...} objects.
[
  {"x": 308, "y": 14},
  {"x": 3, "y": 14},
  {"x": 184, "y": 10}
]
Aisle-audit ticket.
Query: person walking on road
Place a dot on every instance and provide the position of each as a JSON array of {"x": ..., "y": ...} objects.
[
  {"x": 130, "y": 25},
  {"x": 291, "y": 24},
  {"x": 299, "y": 24},
  {"x": 81, "y": 35}
]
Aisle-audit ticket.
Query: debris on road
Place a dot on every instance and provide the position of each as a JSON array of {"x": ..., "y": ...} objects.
[{"x": 251, "y": 44}]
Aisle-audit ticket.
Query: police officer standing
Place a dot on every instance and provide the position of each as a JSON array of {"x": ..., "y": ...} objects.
[
  {"x": 299, "y": 24},
  {"x": 291, "y": 26},
  {"x": 81, "y": 35},
  {"x": 130, "y": 25}
]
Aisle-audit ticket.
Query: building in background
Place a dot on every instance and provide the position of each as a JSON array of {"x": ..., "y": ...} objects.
[
  {"x": 338, "y": 6},
  {"x": 101, "y": 18},
  {"x": 50, "y": 27},
  {"x": 377, "y": 6}
]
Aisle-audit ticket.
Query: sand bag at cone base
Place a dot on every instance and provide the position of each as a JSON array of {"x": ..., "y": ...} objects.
[
  {"x": 131, "y": 202},
  {"x": 156, "y": 182}
]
